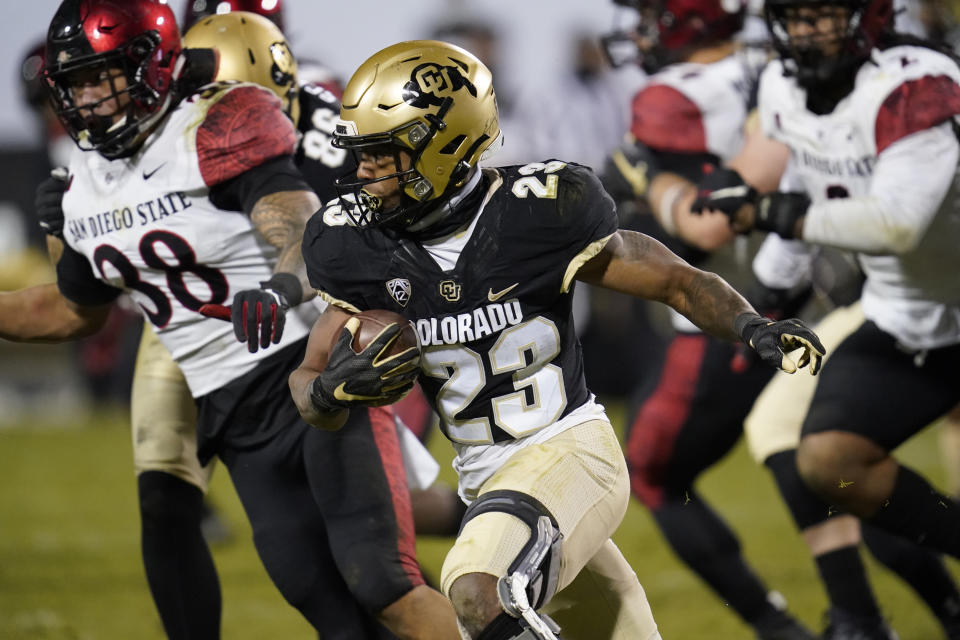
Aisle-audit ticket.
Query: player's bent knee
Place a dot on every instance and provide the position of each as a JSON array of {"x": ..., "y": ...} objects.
[
  {"x": 298, "y": 584},
  {"x": 537, "y": 566},
  {"x": 530, "y": 580},
  {"x": 475, "y": 601},
  {"x": 817, "y": 462},
  {"x": 168, "y": 502},
  {"x": 506, "y": 627}
]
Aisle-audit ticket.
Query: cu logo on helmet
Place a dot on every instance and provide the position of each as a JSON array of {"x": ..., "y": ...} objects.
[
  {"x": 434, "y": 79},
  {"x": 430, "y": 83},
  {"x": 282, "y": 69}
]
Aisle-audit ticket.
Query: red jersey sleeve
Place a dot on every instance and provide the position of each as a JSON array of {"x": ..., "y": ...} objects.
[
  {"x": 666, "y": 120},
  {"x": 242, "y": 130},
  {"x": 914, "y": 106}
]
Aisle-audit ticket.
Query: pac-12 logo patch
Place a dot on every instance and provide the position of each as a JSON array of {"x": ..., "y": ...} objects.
[{"x": 399, "y": 289}]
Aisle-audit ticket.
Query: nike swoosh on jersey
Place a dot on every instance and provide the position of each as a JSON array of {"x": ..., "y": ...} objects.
[
  {"x": 493, "y": 297},
  {"x": 149, "y": 174}
]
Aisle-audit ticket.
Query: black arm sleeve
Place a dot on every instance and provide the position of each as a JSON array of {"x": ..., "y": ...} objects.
[
  {"x": 77, "y": 283},
  {"x": 242, "y": 192}
]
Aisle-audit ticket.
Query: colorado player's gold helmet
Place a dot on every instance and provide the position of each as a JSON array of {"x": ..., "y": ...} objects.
[
  {"x": 249, "y": 48},
  {"x": 431, "y": 99}
]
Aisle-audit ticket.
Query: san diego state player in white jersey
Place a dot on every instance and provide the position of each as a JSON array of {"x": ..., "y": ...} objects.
[
  {"x": 484, "y": 262},
  {"x": 688, "y": 413},
  {"x": 867, "y": 118},
  {"x": 193, "y": 200}
]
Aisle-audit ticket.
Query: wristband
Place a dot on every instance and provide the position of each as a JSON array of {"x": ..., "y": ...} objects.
[
  {"x": 747, "y": 323},
  {"x": 286, "y": 286}
]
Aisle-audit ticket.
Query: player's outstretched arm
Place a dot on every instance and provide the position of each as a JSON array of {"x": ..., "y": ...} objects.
[
  {"x": 638, "y": 265},
  {"x": 41, "y": 314}
]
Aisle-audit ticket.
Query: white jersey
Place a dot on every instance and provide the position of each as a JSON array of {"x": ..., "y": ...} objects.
[
  {"x": 880, "y": 170},
  {"x": 147, "y": 226},
  {"x": 698, "y": 109}
]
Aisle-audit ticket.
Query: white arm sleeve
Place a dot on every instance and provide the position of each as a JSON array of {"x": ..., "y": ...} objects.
[
  {"x": 783, "y": 264},
  {"x": 910, "y": 179}
]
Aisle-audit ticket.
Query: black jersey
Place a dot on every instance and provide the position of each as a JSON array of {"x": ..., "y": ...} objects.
[
  {"x": 501, "y": 358},
  {"x": 319, "y": 161}
]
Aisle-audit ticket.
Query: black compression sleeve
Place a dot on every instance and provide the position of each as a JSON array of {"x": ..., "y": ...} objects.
[{"x": 242, "y": 192}]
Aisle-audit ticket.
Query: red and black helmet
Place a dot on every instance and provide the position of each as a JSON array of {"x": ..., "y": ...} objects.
[
  {"x": 91, "y": 39},
  {"x": 867, "y": 21},
  {"x": 196, "y": 9},
  {"x": 668, "y": 28}
]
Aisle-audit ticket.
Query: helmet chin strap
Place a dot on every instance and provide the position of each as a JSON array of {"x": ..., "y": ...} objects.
[
  {"x": 128, "y": 143},
  {"x": 445, "y": 218}
]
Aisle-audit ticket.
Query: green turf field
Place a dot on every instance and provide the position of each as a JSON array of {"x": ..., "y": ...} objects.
[{"x": 70, "y": 566}]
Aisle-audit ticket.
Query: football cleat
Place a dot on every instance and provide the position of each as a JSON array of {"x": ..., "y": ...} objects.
[
  {"x": 779, "y": 625},
  {"x": 847, "y": 626}
]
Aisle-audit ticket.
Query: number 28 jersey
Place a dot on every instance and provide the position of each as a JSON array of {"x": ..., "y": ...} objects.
[
  {"x": 146, "y": 225},
  {"x": 501, "y": 359}
]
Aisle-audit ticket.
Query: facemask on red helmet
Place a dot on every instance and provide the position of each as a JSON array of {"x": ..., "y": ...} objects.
[
  {"x": 832, "y": 40},
  {"x": 667, "y": 29},
  {"x": 110, "y": 65}
]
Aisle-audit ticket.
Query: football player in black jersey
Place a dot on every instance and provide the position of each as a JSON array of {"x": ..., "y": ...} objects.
[{"x": 483, "y": 262}]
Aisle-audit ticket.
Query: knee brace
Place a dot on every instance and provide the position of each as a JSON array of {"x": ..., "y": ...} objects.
[{"x": 531, "y": 579}]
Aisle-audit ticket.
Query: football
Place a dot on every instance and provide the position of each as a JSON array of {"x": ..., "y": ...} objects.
[{"x": 373, "y": 321}]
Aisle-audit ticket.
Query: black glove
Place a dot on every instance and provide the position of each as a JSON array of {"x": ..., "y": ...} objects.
[
  {"x": 366, "y": 378},
  {"x": 724, "y": 190},
  {"x": 629, "y": 170},
  {"x": 779, "y": 212},
  {"x": 48, "y": 202},
  {"x": 773, "y": 340},
  {"x": 258, "y": 315}
]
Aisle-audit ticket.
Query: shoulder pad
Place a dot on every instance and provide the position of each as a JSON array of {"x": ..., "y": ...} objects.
[
  {"x": 243, "y": 127},
  {"x": 666, "y": 120},
  {"x": 774, "y": 91},
  {"x": 912, "y": 89}
]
